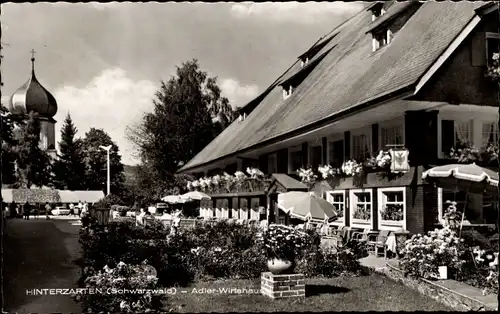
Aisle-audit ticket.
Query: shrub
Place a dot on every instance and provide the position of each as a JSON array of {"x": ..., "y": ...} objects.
[
  {"x": 424, "y": 254},
  {"x": 329, "y": 262},
  {"x": 108, "y": 281},
  {"x": 108, "y": 201},
  {"x": 282, "y": 242}
]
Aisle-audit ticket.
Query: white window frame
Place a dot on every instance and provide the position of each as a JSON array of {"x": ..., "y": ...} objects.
[
  {"x": 442, "y": 206},
  {"x": 386, "y": 224},
  {"x": 287, "y": 92},
  {"x": 377, "y": 36},
  {"x": 483, "y": 123},
  {"x": 365, "y": 131},
  {"x": 330, "y": 140},
  {"x": 275, "y": 163},
  {"x": 329, "y": 199},
  {"x": 357, "y": 223},
  {"x": 290, "y": 151},
  {"x": 458, "y": 117},
  {"x": 391, "y": 124}
]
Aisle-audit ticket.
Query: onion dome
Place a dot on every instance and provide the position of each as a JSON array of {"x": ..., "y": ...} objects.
[{"x": 32, "y": 96}]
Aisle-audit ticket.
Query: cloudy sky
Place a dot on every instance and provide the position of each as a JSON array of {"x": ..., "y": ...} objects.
[{"x": 104, "y": 62}]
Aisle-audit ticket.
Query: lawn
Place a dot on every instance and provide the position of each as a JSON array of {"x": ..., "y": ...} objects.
[{"x": 367, "y": 293}]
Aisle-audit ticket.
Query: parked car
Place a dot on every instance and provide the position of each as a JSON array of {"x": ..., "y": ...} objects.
[{"x": 60, "y": 210}]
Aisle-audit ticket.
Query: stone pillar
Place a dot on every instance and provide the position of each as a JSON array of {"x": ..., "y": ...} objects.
[{"x": 283, "y": 286}]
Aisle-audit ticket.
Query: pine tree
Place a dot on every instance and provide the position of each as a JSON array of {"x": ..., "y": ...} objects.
[
  {"x": 69, "y": 169},
  {"x": 33, "y": 164},
  {"x": 96, "y": 162},
  {"x": 8, "y": 147}
]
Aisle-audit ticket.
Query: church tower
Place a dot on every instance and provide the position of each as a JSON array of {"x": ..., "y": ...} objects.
[{"x": 32, "y": 96}]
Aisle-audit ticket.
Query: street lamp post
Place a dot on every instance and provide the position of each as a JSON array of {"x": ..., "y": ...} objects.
[{"x": 107, "y": 148}]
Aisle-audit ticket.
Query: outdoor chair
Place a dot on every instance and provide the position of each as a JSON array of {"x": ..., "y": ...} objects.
[
  {"x": 362, "y": 236},
  {"x": 379, "y": 242}
]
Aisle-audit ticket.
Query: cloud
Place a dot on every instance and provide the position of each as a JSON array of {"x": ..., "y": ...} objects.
[
  {"x": 304, "y": 12},
  {"x": 111, "y": 101},
  {"x": 238, "y": 94}
]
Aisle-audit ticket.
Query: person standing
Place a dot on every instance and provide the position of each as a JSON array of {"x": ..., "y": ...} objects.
[
  {"x": 27, "y": 210},
  {"x": 71, "y": 209},
  {"x": 47, "y": 210}
]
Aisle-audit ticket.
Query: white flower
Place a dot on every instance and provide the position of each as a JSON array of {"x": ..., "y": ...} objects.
[
  {"x": 216, "y": 180},
  {"x": 124, "y": 305},
  {"x": 121, "y": 264},
  {"x": 496, "y": 56},
  {"x": 195, "y": 183},
  {"x": 327, "y": 171},
  {"x": 189, "y": 185},
  {"x": 240, "y": 176}
]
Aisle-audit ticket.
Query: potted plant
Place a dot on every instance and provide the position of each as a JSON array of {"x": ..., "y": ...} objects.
[{"x": 281, "y": 245}]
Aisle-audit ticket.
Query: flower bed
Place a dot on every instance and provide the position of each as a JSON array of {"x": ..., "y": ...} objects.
[
  {"x": 206, "y": 251},
  {"x": 123, "y": 289}
]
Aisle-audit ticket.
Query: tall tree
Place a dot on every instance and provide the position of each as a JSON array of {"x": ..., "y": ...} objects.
[
  {"x": 33, "y": 163},
  {"x": 69, "y": 168},
  {"x": 96, "y": 162},
  {"x": 189, "y": 112},
  {"x": 9, "y": 143}
]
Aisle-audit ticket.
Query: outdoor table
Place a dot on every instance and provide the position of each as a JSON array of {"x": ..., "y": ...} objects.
[{"x": 396, "y": 241}]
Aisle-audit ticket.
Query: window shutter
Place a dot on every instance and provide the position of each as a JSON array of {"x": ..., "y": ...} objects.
[
  {"x": 478, "y": 49},
  {"x": 375, "y": 143},
  {"x": 447, "y": 135},
  {"x": 347, "y": 145},
  {"x": 263, "y": 163}
]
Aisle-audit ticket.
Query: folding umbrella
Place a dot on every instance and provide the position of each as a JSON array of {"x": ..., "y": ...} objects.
[
  {"x": 174, "y": 199},
  {"x": 307, "y": 206},
  {"x": 195, "y": 195},
  {"x": 470, "y": 178}
]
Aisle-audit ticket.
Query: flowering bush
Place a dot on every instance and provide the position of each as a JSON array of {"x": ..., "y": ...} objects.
[
  {"x": 393, "y": 212},
  {"x": 351, "y": 168},
  {"x": 123, "y": 277},
  {"x": 307, "y": 175},
  {"x": 317, "y": 261},
  {"x": 494, "y": 69},
  {"x": 362, "y": 212},
  {"x": 468, "y": 154},
  {"x": 328, "y": 171},
  {"x": 255, "y": 173},
  {"x": 282, "y": 242},
  {"x": 452, "y": 217},
  {"x": 424, "y": 254},
  {"x": 383, "y": 159}
]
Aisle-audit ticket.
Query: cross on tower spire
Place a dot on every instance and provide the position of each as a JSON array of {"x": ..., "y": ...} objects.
[{"x": 33, "y": 60}]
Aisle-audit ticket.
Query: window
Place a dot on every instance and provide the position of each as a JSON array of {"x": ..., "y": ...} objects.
[
  {"x": 295, "y": 159},
  {"x": 272, "y": 164},
  {"x": 492, "y": 46},
  {"x": 455, "y": 134},
  {"x": 381, "y": 38},
  {"x": 315, "y": 154},
  {"x": 361, "y": 146},
  {"x": 392, "y": 208},
  {"x": 479, "y": 208},
  {"x": 361, "y": 208},
  {"x": 337, "y": 198},
  {"x": 377, "y": 11},
  {"x": 391, "y": 135},
  {"x": 336, "y": 153},
  {"x": 287, "y": 91},
  {"x": 490, "y": 134},
  {"x": 304, "y": 61}
]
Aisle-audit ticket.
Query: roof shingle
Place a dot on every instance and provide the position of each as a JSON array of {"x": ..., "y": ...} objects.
[{"x": 348, "y": 76}]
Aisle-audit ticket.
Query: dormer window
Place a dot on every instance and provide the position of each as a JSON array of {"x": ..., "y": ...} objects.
[
  {"x": 287, "y": 91},
  {"x": 377, "y": 11},
  {"x": 381, "y": 38},
  {"x": 242, "y": 117},
  {"x": 304, "y": 61}
]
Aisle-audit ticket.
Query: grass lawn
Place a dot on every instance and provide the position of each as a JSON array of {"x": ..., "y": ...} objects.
[{"x": 368, "y": 293}]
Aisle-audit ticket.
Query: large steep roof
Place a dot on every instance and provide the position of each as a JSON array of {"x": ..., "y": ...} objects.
[{"x": 348, "y": 76}]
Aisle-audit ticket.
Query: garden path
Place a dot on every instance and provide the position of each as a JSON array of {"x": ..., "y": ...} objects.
[{"x": 40, "y": 254}]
